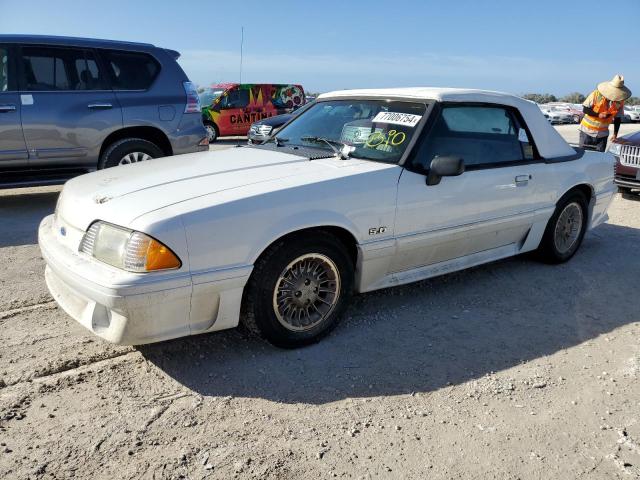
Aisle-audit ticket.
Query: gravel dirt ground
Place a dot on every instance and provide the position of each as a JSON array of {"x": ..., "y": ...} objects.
[{"x": 512, "y": 370}]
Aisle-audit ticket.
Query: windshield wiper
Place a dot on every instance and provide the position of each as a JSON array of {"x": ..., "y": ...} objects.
[{"x": 342, "y": 153}]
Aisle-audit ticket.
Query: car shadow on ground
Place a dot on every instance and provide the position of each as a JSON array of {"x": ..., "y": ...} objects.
[
  {"x": 20, "y": 215},
  {"x": 634, "y": 196},
  {"x": 423, "y": 336}
]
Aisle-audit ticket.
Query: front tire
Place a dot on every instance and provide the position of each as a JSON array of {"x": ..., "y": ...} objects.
[
  {"x": 298, "y": 289},
  {"x": 566, "y": 228},
  {"x": 212, "y": 132},
  {"x": 127, "y": 151}
]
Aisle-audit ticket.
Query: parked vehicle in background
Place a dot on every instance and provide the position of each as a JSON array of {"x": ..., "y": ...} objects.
[
  {"x": 626, "y": 149},
  {"x": 556, "y": 115},
  {"x": 231, "y": 108},
  {"x": 575, "y": 110},
  {"x": 71, "y": 105},
  {"x": 261, "y": 130},
  {"x": 632, "y": 113},
  {"x": 366, "y": 189}
]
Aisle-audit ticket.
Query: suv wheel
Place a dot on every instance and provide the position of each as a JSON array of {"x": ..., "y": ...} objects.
[
  {"x": 129, "y": 150},
  {"x": 212, "y": 132},
  {"x": 565, "y": 229},
  {"x": 298, "y": 290}
]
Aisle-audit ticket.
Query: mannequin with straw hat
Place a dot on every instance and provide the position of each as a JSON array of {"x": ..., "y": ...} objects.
[{"x": 603, "y": 106}]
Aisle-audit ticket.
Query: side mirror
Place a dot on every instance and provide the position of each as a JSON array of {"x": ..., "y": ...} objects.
[{"x": 447, "y": 166}]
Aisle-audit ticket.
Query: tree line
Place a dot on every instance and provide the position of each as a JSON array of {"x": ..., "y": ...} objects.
[{"x": 575, "y": 97}]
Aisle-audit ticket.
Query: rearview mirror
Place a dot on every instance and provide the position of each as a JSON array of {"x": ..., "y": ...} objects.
[{"x": 447, "y": 166}]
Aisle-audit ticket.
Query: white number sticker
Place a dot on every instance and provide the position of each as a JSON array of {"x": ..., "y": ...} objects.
[{"x": 406, "y": 119}]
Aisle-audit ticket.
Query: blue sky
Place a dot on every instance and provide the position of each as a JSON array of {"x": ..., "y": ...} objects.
[{"x": 516, "y": 46}]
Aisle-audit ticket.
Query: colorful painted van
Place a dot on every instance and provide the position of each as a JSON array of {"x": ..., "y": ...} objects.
[{"x": 231, "y": 108}]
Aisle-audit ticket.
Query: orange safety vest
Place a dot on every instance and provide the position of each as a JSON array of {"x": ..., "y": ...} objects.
[{"x": 601, "y": 105}]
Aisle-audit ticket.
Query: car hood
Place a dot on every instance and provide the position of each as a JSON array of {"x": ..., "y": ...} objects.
[
  {"x": 630, "y": 139},
  {"x": 122, "y": 194},
  {"x": 276, "y": 120}
]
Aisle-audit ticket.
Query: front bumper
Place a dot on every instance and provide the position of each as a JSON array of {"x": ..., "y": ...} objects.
[
  {"x": 257, "y": 138},
  {"x": 118, "y": 306},
  {"x": 134, "y": 309},
  {"x": 626, "y": 176}
]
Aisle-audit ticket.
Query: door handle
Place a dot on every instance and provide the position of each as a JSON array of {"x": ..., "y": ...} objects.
[
  {"x": 7, "y": 108},
  {"x": 99, "y": 106},
  {"x": 522, "y": 180}
]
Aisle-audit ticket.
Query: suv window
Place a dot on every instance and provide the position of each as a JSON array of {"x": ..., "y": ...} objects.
[
  {"x": 481, "y": 135},
  {"x": 131, "y": 70},
  {"x": 4, "y": 69},
  {"x": 46, "y": 69},
  {"x": 237, "y": 98}
]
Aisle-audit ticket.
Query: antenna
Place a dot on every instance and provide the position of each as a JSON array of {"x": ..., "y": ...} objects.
[{"x": 241, "y": 43}]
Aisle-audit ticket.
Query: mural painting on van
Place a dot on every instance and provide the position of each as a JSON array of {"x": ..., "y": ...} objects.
[{"x": 232, "y": 107}]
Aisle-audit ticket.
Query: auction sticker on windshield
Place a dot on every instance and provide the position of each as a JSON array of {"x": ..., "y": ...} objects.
[{"x": 397, "y": 118}]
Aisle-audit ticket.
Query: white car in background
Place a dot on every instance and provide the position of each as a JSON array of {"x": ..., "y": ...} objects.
[
  {"x": 632, "y": 113},
  {"x": 366, "y": 189},
  {"x": 557, "y": 115}
]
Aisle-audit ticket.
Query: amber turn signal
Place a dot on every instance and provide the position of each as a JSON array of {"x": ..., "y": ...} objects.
[{"x": 160, "y": 257}]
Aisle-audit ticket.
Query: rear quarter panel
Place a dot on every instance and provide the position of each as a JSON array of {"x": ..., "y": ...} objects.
[
  {"x": 594, "y": 169},
  {"x": 162, "y": 104}
]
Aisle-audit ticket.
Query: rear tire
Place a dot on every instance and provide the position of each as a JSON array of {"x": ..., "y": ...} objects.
[
  {"x": 566, "y": 228},
  {"x": 298, "y": 289},
  {"x": 129, "y": 150},
  {"x": 624, "y": 190}
]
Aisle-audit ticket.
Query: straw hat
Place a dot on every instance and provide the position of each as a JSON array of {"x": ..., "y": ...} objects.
[{"x": 614, "y": 89}]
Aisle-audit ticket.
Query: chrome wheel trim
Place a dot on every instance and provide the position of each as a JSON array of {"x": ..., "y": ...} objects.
[
  {"x": 134, "y": 157},
  {"x": 568, "y": 227},
  {"x": 306, "y": 292},
  {"x": 211, "y": 132}
]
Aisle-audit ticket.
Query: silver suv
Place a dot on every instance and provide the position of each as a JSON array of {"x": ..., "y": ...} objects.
[{"x": 71, "y": 105}]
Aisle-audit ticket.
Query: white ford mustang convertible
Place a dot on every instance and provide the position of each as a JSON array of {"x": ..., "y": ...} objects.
[{"x": 365, "y": 189}]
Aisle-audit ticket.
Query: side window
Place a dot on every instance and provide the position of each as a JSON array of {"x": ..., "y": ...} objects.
[
  {"x": 89, "y": 77},
  {"x": 55, "y": 69},
  {"x": 481, "y": 135},
  {"x": 4, "y": 69},
  {"x": 238, "y": 98},
  {"x": 131, "y": 70}
]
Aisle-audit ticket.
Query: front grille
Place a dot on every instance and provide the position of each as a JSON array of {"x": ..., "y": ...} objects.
[
  {"x": 262, "y": 130},
  {"x": 630, "y": 155},
  {"x": 89, "y": 239}
]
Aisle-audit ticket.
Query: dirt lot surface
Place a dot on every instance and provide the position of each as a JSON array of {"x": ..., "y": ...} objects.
[{"x": 513, "y": 370}]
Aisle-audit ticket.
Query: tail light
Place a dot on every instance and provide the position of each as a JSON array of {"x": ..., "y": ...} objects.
[{"x": 193, "y": 100}]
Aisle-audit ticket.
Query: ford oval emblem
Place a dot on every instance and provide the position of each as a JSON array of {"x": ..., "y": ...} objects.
[{"x": 63, "y": 231}]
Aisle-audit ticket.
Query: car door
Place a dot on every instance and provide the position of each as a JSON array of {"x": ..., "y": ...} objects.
[
  {"x": 13, "y": 150},
  {"x": 487, "y": 211},
  {"x": 68, "y": 108}
]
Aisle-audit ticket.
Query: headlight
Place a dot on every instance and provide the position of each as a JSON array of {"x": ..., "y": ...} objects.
[
  {"x": 615, "y": 148},
  {"x": 127, "y": 249}
]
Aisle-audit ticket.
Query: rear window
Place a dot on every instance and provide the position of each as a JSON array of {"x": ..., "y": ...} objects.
[{"x": 131, "y": 70}]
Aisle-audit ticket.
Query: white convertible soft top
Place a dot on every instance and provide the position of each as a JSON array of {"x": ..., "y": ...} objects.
[{"x": 549, "y": 142}]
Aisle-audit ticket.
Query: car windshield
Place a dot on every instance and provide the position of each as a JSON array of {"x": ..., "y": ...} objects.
[
  {"x": 209, "y": 95},
  {"x": 377, "y": 130}
]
